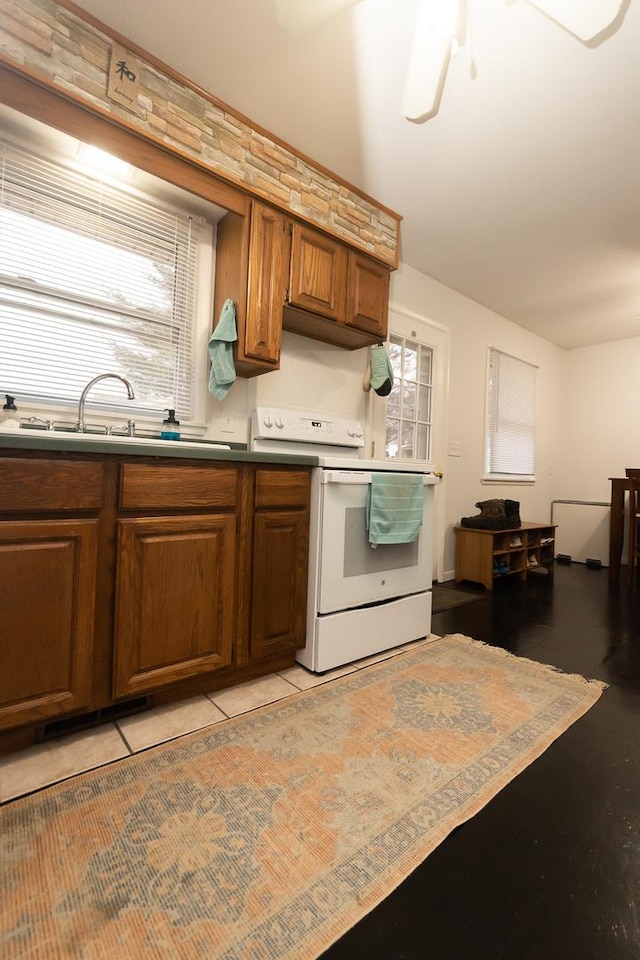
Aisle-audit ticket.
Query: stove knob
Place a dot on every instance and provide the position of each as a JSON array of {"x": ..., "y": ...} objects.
[
  {"x": 268, "y": 422},
  {"x": 279, "y": 423}
]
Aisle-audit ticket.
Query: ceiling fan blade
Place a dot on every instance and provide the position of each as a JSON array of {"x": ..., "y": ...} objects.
[
  {"x": 296, "y": 16},
  {"x": 585, "y": 19},
  {"x": 429, "y": 58}
]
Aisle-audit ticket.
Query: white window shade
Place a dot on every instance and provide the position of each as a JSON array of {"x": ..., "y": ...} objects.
[
  {"x": 93, "y": 279},
  {"x": 511, "y": 417}
]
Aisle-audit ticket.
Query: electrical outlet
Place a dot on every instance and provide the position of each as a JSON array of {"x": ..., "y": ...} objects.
[{"x": 228, "y": 425}]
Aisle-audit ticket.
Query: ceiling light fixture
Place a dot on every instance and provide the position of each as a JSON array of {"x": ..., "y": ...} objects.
[
  {"x": 438, "y": 24},
  {"x": 439, "y": 28},
  {"x": 435, "y": 29}
]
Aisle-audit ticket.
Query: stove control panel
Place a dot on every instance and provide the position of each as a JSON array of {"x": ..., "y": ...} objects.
[{"x": 296, "y": 426}]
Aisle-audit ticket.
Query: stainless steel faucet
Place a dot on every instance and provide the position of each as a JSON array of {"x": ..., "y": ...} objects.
[{"x": 83, "y": 396}]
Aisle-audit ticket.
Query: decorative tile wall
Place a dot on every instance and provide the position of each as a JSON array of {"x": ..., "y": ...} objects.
[{"x": 73, "y": 56}]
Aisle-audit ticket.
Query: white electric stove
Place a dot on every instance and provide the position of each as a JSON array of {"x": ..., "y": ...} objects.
[{"x": 360, "y": 600}]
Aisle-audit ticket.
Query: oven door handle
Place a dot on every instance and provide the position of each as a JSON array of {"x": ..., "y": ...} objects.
[
  {"x": 360, "y": 477},
  {"x": 345, "y": 476}
]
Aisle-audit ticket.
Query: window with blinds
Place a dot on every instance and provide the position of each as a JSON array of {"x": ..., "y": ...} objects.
[
  {"x": 93, "y": 279},
  {"x": 511, "y": 418}
]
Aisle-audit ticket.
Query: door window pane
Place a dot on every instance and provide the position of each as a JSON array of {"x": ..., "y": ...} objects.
[
  {"x": 407, "y": 450},
  {"x": 408, "y": 410},
  {"x": 391, "y": 444}
]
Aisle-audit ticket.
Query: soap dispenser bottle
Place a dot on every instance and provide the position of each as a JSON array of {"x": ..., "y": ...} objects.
[
  {"x": 9, "y": 420},
  {"x": 170, "y": 427}
]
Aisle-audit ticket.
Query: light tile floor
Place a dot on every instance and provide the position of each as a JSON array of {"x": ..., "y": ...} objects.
[{"x": 45, "y": 764}]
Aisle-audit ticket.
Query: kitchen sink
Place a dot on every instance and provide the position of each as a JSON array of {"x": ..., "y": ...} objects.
[{"x": 105, "y": 440}]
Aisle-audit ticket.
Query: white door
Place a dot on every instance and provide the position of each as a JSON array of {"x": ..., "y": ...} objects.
[{"x": 416, "y": 329}]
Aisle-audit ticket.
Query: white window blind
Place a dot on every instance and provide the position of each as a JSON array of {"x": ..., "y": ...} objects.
[
  {"x": 93, "y": 279},
  {"x": 511, "y": 417}
]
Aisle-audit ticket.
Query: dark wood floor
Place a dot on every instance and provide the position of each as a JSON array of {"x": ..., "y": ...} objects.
[{"x": 550, "y": 869}]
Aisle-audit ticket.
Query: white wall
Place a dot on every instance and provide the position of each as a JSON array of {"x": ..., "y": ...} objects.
[
  {"x": 601, "y": 420},
  {"x": 312, "y": 375}
]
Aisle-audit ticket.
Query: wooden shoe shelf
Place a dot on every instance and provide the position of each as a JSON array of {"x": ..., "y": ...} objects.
[{"x": 484, "y": 556}]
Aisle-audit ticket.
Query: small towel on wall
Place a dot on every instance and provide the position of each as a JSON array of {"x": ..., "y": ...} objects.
[
  {"x": 381, "y": 371},
  {"x": 394, "y": 507},
  {"x": 223, "y": 371}
]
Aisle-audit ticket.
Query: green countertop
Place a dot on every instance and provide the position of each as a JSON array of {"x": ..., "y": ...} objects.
[{"x": 141, "y": 446}]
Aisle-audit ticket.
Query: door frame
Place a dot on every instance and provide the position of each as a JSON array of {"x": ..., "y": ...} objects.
[{"x": 405, "y": 323}]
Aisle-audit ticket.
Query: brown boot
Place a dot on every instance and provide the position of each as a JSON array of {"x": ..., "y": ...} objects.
[
  {"x": 512, "y": 511},
  {"x": 492, "y": 516}
]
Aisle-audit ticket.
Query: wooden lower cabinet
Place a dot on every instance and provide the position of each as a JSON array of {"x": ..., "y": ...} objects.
[
  {"x": 281, "y": 541},
  {"x": 47, "y": 591},
  {"x": 129, "y": 578},
  {"x": 175, "y": 600},
  {"x": 280, "y": 561}
]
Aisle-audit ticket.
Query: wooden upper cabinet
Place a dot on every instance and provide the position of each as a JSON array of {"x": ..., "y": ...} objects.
[
  {"x": 336, "y": 294},
  {"x": 368, "y": 295},
  {"x": 318, "y": 273},
  {"x": 282, "y": 274},
  {"x": 268, "y": 262},
  {"x": 252, "y": 262}
]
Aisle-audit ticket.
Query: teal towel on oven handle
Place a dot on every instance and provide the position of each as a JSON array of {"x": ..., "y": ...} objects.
[{"x": 394, "y": 507}]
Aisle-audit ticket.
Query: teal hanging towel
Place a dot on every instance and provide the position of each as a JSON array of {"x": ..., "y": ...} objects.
[
  {"x": 394, "y": 507},
  {"x": 223, "y": 371}
]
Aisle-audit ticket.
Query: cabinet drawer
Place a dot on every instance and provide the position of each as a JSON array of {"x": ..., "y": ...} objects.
[
  {"x": 282, "y": 488},
  {"x": 151, "y": 486},
  {"x": 41, "y": 485}
]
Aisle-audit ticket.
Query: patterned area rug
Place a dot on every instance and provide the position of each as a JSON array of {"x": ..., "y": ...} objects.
[{"x": 268, "y": 836}]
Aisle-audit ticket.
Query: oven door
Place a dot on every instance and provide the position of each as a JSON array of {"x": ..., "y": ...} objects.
[{"x": 351, "y": 572}]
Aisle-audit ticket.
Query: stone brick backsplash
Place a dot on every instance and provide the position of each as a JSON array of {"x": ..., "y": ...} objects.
[{"x": 69, "y": 53}]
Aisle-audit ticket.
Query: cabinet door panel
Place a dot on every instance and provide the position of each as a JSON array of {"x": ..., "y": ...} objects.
[
  {"x": 39, "y": 485},
  {"x": 267, "y": 280},
  {"x": 281, "y": 542},
  {"x": 175, "y": 600},
  {"x": 161, "y": 487},
  {"x": 368, "y": 295},
  {"x": 47, "y": 590},
  {"x": 318, "y": 273},
  {"x": 282, "y": 488}
]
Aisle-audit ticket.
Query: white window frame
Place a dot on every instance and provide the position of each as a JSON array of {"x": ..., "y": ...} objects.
[
  {"x": 510, "y": 419},
  {"x": 192, "y": 369}
]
